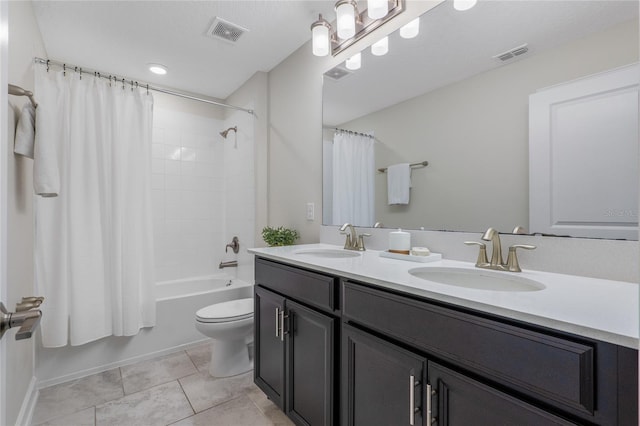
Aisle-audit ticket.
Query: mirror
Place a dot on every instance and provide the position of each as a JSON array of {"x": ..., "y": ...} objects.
[{"x": 442, "y": 97}]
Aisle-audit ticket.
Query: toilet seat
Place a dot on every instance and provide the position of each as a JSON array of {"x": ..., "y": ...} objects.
[{"x": 233, "y": 310}]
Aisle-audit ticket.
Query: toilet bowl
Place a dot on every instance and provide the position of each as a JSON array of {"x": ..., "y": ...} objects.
[{"x": 230, "y": 324}]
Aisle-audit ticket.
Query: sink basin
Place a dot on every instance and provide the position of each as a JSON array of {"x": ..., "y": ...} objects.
[
  {"x": 328, "y": 253},
  {"x": 479, "y": 279}
]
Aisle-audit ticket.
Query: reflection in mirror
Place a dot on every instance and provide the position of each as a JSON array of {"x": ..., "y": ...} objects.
[{"x": 444, "y": 97}]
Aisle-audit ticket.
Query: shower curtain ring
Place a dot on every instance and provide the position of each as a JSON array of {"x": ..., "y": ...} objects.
[
  {"x": 47, "y": 65},
  {"x": 64, "y": 70},
  {"x": 80, "y": 73},
  {"x": 122, "y": 83},
  {"x": 147, "y": 89}
]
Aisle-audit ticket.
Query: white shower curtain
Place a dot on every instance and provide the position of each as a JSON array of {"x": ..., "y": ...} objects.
[
  {"x": 353, "y": 179},
  {"x": 94, "y": 241}
]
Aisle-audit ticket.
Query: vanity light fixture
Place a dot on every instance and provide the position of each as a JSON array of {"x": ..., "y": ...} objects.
[
  {"x": 411, "y": 29},
  {"x": 346, "y": 18},
  {"x": 320, "y": 37},
  {"x": 463, "y": 5},
  {"x": 380, "y": 47},
  {"x": 157, "y": 69},
  {"x": 351, "y": 24},
  {"x": 377, "y": 9},
  {"x": 354, "y": 62}
]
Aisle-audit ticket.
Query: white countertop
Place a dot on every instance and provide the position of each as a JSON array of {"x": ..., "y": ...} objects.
[{"x": 600, "y": 309}]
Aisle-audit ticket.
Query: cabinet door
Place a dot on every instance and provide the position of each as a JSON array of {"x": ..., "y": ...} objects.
[
  {"x": 382, "y": 383},
  {"x": 461, "y": 401},
  {"x": 310, "y": 370},
  {"x": 269, "y": 345}
]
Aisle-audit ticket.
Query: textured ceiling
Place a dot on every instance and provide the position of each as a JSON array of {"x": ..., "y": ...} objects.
[{"x": 121, "y": 37}]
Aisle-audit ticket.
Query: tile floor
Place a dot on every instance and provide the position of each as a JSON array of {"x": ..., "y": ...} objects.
[{"x": 171, "y": 390}]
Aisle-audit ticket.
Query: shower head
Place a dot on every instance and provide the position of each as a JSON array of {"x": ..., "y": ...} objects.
[{"x": 226, "y": 132}]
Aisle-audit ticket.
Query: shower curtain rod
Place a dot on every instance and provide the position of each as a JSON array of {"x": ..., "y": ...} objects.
[
  {"x": 131, "y": 82},
  {"x": 351, "y": 132}
]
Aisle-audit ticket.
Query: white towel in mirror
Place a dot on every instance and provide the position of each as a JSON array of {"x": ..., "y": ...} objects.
[{"x": 398, "y": 183}]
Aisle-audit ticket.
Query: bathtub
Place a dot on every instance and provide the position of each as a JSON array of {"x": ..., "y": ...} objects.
[
  {"x": 176, "y": 305},
  {"x": 216, "y": 288}
]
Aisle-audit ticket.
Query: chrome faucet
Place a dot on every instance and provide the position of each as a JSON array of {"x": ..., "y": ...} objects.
[
  {"x": 353, "y": 241},
  {"x": 26, "y": 319},
  {"x": 496, "y": 261}
]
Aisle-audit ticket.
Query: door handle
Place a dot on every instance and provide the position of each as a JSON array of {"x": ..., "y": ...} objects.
[
  {"x": 27, "y": 321},
  {"x": 277, "y": 322}
]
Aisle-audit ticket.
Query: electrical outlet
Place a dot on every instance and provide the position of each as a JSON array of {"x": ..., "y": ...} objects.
[{"x": 310, "y": 211}]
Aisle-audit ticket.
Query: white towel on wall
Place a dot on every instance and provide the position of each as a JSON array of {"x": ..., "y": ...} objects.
[
  {"x": 25, "y": 133},
  {"x": 398, "y": 183}
]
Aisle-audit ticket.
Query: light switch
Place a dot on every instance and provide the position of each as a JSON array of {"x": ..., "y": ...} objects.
[{"x": 311, "y": 211}]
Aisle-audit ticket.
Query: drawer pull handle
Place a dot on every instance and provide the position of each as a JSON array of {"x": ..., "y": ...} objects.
[{"x": 277, "y": 322}]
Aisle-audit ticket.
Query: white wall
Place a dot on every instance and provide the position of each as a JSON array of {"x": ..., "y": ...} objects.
[
  {"x": 475, "y": 135},
  {"x": 25, "y": 42}
]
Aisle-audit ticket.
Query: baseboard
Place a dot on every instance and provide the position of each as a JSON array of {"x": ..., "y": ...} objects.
[
  {"x": 28, "y": 404},
  {"x": 99, "y": 369}
]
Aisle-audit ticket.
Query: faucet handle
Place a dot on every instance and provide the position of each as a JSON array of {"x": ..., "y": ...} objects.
[
  {"x": 360, "y": 245},
  {"x": 347, "y": 242},
  {"x": 512, "y": 260},
  {"x": 482, "y": 254}
]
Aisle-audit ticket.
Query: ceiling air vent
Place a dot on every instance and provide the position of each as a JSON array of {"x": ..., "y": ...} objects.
[
  {"x": 225, "y": 30},
  {"x": 336, "y": 73},
  {"x": 512, "y": 53}
]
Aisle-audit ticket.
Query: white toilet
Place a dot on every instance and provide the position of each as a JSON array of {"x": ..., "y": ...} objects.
[{"x": 230, "y": 324}]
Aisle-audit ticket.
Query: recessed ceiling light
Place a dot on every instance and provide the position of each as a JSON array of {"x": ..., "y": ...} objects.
[{"x": 158, "y": 69}]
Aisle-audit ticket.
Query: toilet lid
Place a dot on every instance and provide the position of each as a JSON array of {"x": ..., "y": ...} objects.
[{"x": 232, "y": 310}]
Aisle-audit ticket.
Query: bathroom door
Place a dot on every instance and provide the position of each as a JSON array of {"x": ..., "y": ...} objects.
[{"x": 4, "y": 119}]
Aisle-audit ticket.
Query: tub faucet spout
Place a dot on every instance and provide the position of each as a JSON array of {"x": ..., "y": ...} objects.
[{"x": 230, "y": 264}]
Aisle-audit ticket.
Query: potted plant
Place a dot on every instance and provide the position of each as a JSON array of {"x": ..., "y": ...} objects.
[{"x": 280, "y": 236}]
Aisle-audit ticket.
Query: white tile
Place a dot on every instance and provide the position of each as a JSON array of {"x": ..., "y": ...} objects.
[
  {"x": 147, "y": 374},
  {"x": 204, "y": 169},
  {"x": 157, "y": 134},
  {"x": 160, "y": 405},
  {"x": 188, "y": 154},
  {"x": 157, "y": 181},
  {"x": 157, "y": 166},
  {"x": 71, "y": 397},
  {"x": 188, "y": 168},
  {"x": 81, "y": 418},
  {"x": 172, "y": 167},
  {"x": 157, "y": 150},
  {"x": 173, "y": 182}
]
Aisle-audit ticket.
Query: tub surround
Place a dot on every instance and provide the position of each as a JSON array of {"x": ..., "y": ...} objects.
[{"x": 600, "y": 309}]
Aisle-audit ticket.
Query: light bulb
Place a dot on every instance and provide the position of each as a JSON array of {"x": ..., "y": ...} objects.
[
  {"x": 377, "y": 9},
  {"x": 354, "y": 62},
  {"x": 411, "y": 29},
  {"x": 380, "y": 47},
  {"x": 320, "y": 37},
  {"x": 462, "y": 5},
  {"x": 346, "y": 19}
]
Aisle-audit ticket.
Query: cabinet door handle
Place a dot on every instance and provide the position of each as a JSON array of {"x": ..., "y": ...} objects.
[
  {"x": 430, "y": 393},
  {"x": 412, "y": 408},
  {"x": 277, "y": 322},
  {"x": 282, "y": 318}
]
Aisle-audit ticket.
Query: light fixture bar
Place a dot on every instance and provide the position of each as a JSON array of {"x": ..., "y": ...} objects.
[{"x": 365, "y": 25}]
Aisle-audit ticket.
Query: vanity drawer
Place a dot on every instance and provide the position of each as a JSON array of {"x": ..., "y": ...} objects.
[
  {"x": 535, "y": 363},
  {"x": 305, "y": 286}
]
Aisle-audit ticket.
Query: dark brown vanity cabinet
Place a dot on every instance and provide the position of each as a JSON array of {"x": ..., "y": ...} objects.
[
  {"x": 392, "y": 358},
  {"x": 482, "y": 370},
  {"x": 295, "y": 341}
]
